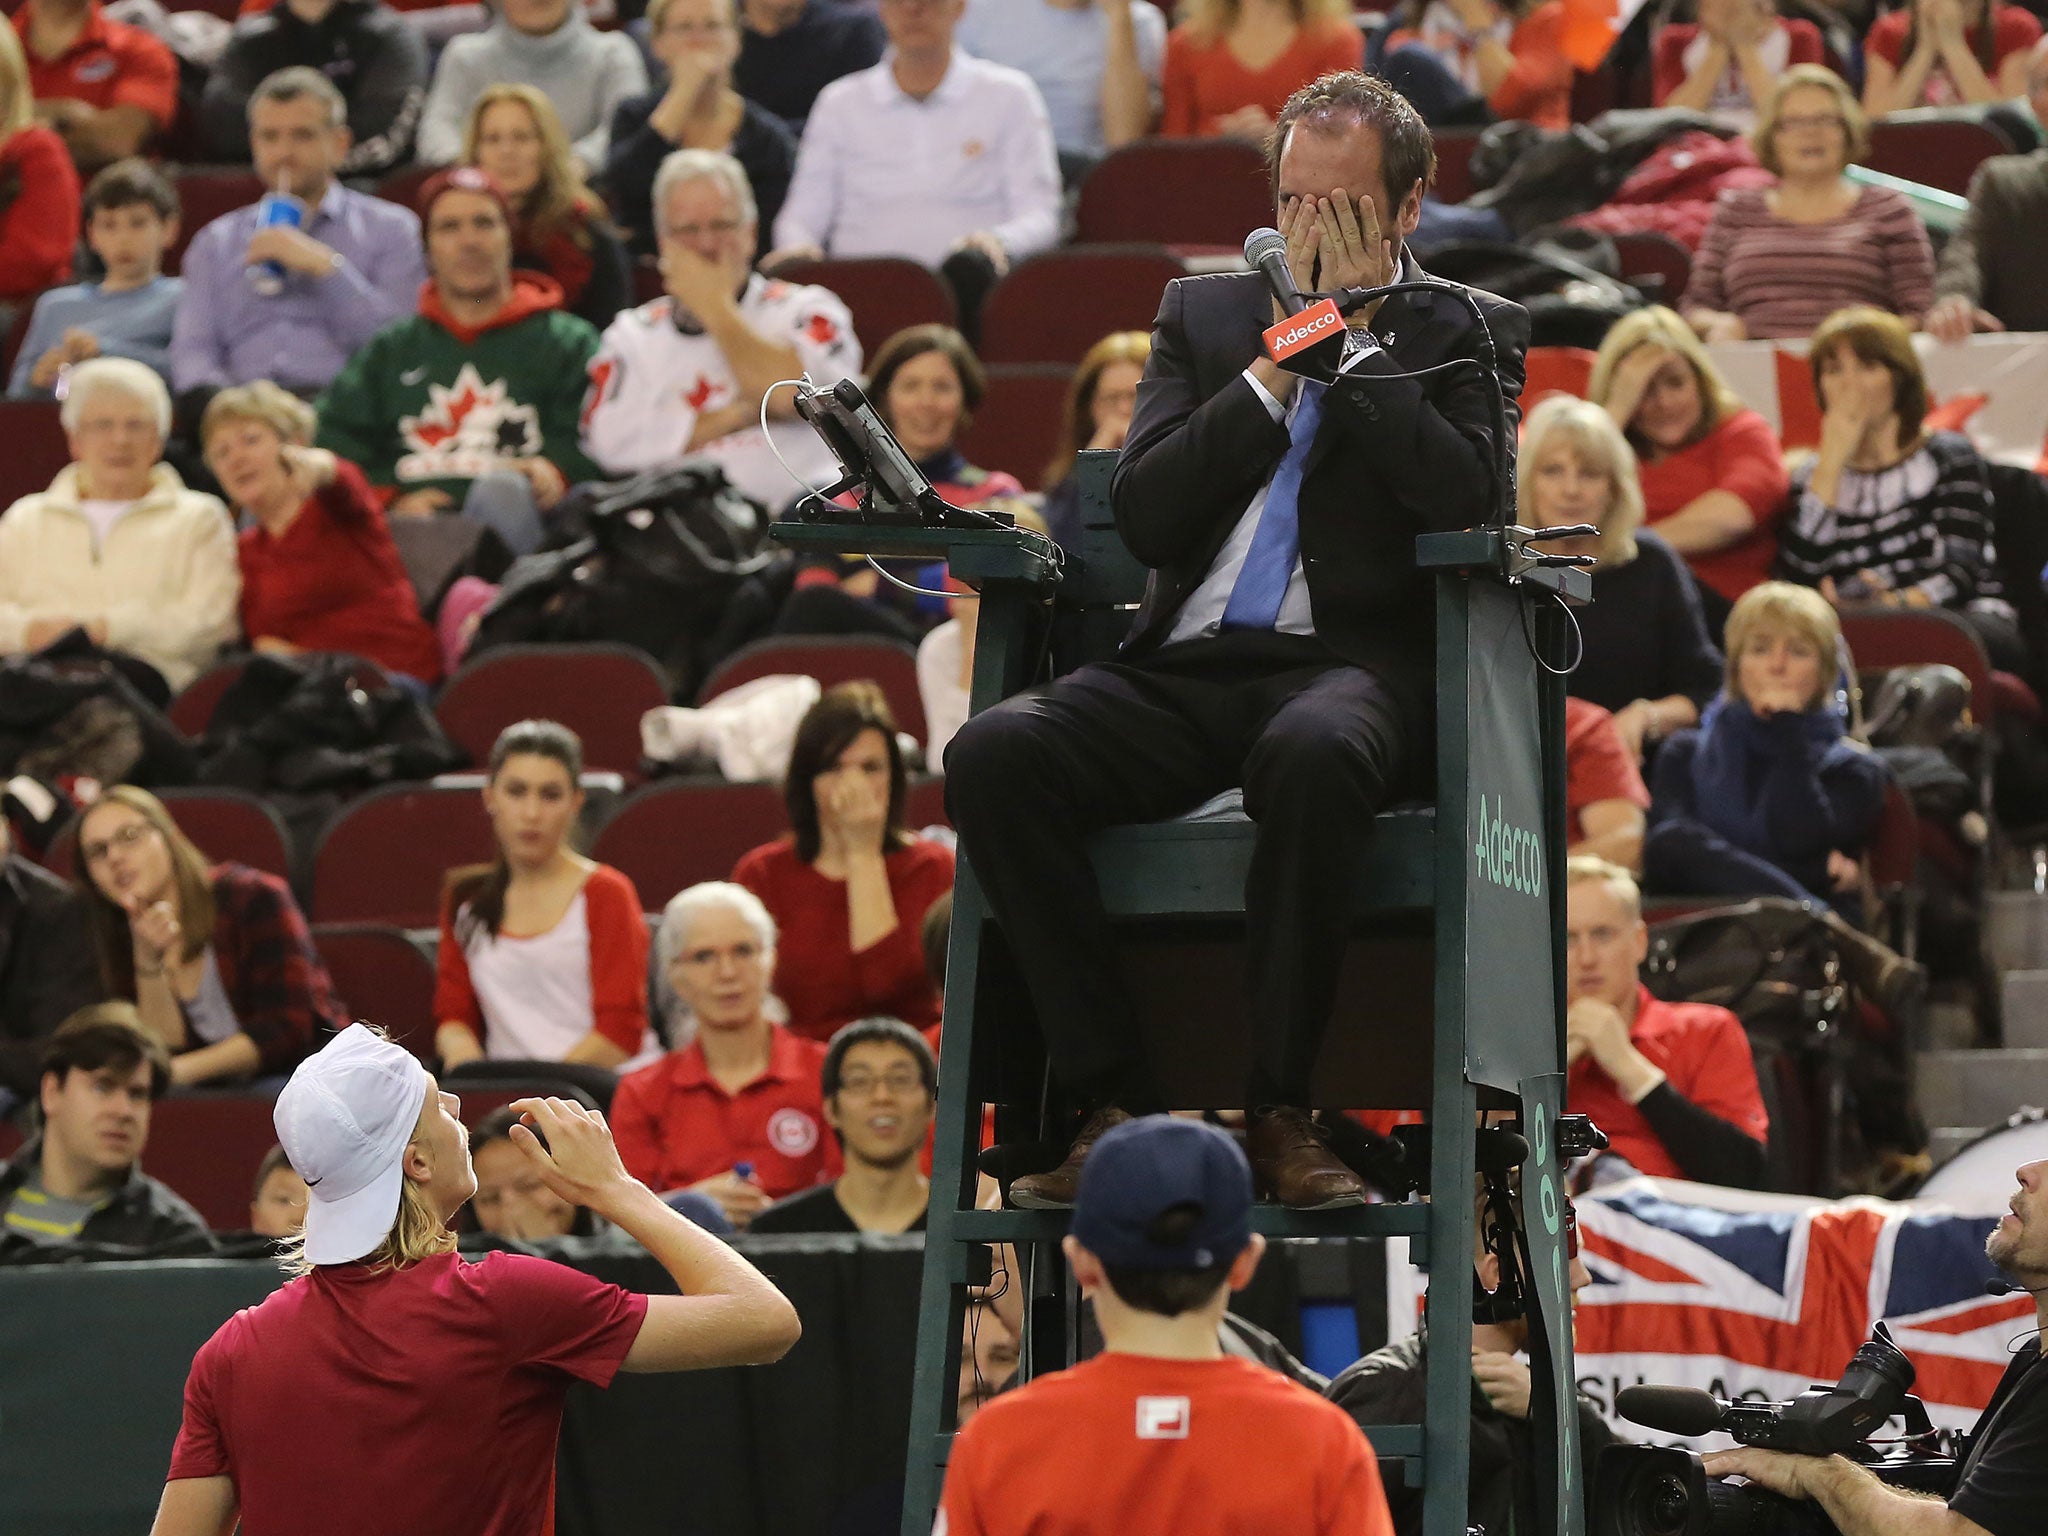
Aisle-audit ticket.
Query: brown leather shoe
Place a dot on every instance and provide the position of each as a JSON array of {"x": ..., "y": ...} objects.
[
  {"x": 1294, "y": 1165},
  {"x": 1055, "y": 1190}
]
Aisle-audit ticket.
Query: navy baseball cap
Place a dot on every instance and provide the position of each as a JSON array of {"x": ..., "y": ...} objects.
[{"x": 1140, "y": 1170}]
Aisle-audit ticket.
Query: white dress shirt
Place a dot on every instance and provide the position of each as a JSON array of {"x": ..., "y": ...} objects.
[{"x": 881, "y": 173}]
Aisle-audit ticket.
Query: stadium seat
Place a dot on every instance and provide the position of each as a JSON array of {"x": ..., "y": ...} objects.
[
  {"x": 207, "y": 1146},
  {"x": 885, "y": 293},
  {"x": 402, "y": 186},
  {"x": 674, "y": 834},
  {"x": 17, "y": 331},
  {"x": 383, "y": 857},
  {"x": 648, "y": 284},
  {"x": 1054, "y": 307},
  {"x": 1941, "y": 152},
  {"x": 924, "y": 805},
  {"x": 232, "y": 825},
  {"x": 1454, "y": 148},
  {"x": 1182, "y": 192},
  {"x": 192, "y": 710},
  {"x": 598, "y": 690},
  {"x": 383, "y": 978},
  {"x": 1555, "y": 370},
  {"x": 36, "y": 448},
  {"x": 1019, "y": 420},
  {"x": 1648, "y": 255},
  {"x": 204, "y": 194},
  {"x": 830, "y": 659}
]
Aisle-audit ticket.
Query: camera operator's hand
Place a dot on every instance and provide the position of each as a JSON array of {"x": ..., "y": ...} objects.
[
  {"x": 1504, "y": 1380},
  {"x": 1796, "y": 1477}
]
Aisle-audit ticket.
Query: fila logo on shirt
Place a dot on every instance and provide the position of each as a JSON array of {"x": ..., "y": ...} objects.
[
  {"x": 1162, "y": 1418},
  {"x": 792, "y": 1132}
]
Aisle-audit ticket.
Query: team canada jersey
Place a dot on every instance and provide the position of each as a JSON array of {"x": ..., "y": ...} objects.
[{"x": 651, "y": 379}]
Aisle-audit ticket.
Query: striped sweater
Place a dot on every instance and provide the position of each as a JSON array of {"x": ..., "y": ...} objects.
[{"x": 1783, "y": 278}]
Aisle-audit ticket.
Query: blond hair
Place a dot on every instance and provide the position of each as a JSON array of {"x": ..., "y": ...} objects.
[
  {"x": 561, "y": 199},
  {"x": 1782, "y": 607},
  {"x": 417, "y": 1233},
  {"x": 17, "y": 101},
  {"x": 1655, "y": 325},
  {"x": 1581, "y": 867},
  {"x": 1855, "y": 124},
  {"x": 1208, "y": 20},
  {"x": 270, "y": 404},
  {"x": 1600, "y": 448}
]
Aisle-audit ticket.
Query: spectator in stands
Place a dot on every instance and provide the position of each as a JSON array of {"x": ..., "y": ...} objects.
[
  {"x": 849, "y": 886},
  {"x": 790, "y": 50},
  {"x": 736, "y": 1114},
  {"x": 107, "y": 88},
  {"x": 277, "y": 1207},
  {"x": 559, "y": 226},
  {"x": 1099, "y": 66},
  {"x": 1776, "y": 261},
  {"x": 697, "y": 42},
  {"x": 1646, "y": 657},
  {"x": 989, "y": 1353},
  {"x": 945, "y": 657},
  {"x": 39, "y": 224},
  {"x": 543, "y": 952},
  {"x": 217, "y": 958},
  {"x": 683, "y": 376},
  {"x": 47, "y": 967},
  {"x": 1470, "y": 62},
  {"x": 1209, "y": 88},
  {"x": 1603, "y": 789},
  {"x": 1769, "y": 796},
  {"x": 547, "y": 44},
  {"x": 319, "y": 569},
  {"x": 1890, "y": 513},
  {"x": 1672, "y": 1084},
  {"x": 880, "y": 1084},
  {"x": 117, "y": 546},
  {"x": 131, "y": 218},
  {"x": 472, "y": 403},
  {"x": 1728, "y": 62},
  {"x": 364, "y": 47},
  {"x": 930, "y": 155},
  {"x": 1988, "y": 279},
  {"x": 512, "y": 1199},
  {"x": 1947, "y": 53},
  {"x": 1712, "y": 470},
  {"x": 79, "y": 1183},
  {"x": 1097, "y": 415},
  {"x": 351, "y": 265}
]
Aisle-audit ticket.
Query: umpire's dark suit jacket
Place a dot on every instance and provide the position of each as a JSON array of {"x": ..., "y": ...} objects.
[{"x": 1393, "y": 458}]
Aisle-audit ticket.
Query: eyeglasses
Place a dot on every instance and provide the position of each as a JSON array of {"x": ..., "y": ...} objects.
[
  {"x": 127, "y": 837},
  {"x": 861, "y": 1084},
  {"x": 678, "y": 27},
  {"x": 1821, "y": 120},
  {"x": 723, "y": 229}
]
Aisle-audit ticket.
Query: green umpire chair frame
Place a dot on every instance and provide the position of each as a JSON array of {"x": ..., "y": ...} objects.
[{"x": 1451, "y": 995}]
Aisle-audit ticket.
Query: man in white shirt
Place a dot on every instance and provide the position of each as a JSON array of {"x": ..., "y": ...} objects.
[
  {"x": 684, "y": 374},
  {"x": 932, "y": 155},
  {"x": 1096, "y": 62}
]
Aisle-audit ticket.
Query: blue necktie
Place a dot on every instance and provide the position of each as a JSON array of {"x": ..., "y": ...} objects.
[{"x": 1268, "y": 565}]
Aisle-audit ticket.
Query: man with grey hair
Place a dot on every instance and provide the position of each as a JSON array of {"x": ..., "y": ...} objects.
[
  {"x": 348, "y": 266},
  {"x": 684, "y": 375}
]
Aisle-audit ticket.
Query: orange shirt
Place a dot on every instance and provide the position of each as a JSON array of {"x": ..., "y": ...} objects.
[
  {"x": 1131, "y": 1445},
  {"x": 1538, "y": 89},
  {"x": 1203, "y": 82}
]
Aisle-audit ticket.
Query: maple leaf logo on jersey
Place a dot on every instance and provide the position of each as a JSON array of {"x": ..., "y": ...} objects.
[
  {"x": 702, "y": 393},
  {"x": 469, "y": 427},
  {"x": 819, "y": 328}
]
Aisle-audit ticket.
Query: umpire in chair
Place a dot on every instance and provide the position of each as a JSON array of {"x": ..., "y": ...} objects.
[{"x": 1286, "y": 642}]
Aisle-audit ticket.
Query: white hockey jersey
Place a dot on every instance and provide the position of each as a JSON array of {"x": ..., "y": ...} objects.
[{"x": 651, "y": 378}]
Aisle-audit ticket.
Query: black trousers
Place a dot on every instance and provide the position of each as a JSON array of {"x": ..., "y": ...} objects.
[{"x": 1319, "y": 746}]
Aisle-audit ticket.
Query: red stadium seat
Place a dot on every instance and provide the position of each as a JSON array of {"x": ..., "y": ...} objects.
[
  {"x": 403, "y": 186},
  {"x": 1555, "y": 370},
  {"x": 1019, "y": 420},
  {"x": 648, "y": 284},
  {"x": 1054, "y": 307},
  {"x": 1454, "y": 148},
  {"x": 192, "y": 710},
  {"x": 17, "y": 331},
  {"x": 383, "y": 857},
  {"x": 36, "y": 448},
  {"x": 204, "y": 194},
  {"x": 233, "y": 825},
  {"x": 1650, "y": 255},
  {"x": 675, "y": 834},
  {"x": 383, "y": 978},
  {"x": 1942, "y": 152},
  {"x": 924, "y": 805},
  {"x": 1198, "y": 192},
  {"x": 830, "y": 659},
  {"x": 885, "y": 293},
  {"x": 598, "y": 690},
  {"x": 207, "y": 1147}
]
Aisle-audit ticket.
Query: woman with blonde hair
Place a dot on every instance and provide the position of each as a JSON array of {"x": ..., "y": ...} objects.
[
  {"x": 560, "y": 228},
  {"x": 1232, "y": 64},
  {"x": 1647, "y": 655},
  {"x": 1776, "y": 260},
  {"x": 1713, "y": 471},
  {"x": 39, "y": 222},
  {"x": 1097, "y": 414},
  {"x": 1769, "y": 796},
  {"x": 217, "y": 958}
]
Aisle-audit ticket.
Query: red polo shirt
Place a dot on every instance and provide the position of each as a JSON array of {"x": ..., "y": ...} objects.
[
  {"x": 111, "y": 65},
  {"x": 1596, "y": 764},
  {"x": 1705, "y": 1057},
  {"x": 675, "y": 1125}
]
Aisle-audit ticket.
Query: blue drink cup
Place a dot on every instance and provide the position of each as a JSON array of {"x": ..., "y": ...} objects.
[{"x": 276, "y": 208}]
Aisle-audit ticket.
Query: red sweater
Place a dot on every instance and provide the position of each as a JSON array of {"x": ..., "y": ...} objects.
[
  {"x": 1596, "y": 765},
  {"x": 1205, "y": 81},
  {"x": 2012, "y": 31},
  {"x": 819, "y": 978},
  {"x": 1740, "y": 455},
  {"x": 333, "y": 581},
  {"x": 38, "y": 212}
]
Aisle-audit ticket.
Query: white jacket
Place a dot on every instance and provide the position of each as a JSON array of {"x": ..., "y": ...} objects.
[
  {"x": 650, "y": 379},
  {"x": 167, "y": 581}
]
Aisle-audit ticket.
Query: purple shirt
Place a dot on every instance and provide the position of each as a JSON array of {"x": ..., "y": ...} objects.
[{"x": 228, "y": 333}]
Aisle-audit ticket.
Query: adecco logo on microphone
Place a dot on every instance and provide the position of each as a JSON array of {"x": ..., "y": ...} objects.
[{"x": 1297, "y": 333}]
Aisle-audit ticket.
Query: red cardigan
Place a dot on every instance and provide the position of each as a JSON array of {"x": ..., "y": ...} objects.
[
  {"x": 1205, "y": 81},
  {"x": 819, "y": 978},
  {"x": 39, "y": 202},
  {"x": 1741, "y": 455},
  {"x": 333, "y": 581}
]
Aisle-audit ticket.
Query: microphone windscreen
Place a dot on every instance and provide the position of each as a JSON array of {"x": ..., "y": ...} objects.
[
  {"x": 1500, "y": 1149},
  {"x": 2001, "y": 1288},
  {"x": 1674, "y": 1410},
  {"x": 1261, "y": 243}
]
